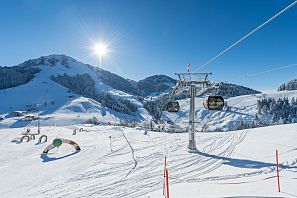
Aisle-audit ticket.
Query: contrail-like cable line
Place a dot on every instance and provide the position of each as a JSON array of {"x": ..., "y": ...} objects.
[
  {"x": 262, "y": 72},
  {"x": 246, "y": 36},
  {"x": 271, "y": 70}
]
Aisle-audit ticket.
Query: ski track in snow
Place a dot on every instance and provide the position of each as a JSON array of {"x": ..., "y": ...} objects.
[{"x": 109, "y": 177}]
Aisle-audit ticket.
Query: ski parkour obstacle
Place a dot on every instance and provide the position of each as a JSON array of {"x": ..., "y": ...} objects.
[
  {"x": 25, "y": 136},
  {"x": 58, "y": 142},
  {"x": 41, "y": 138}
]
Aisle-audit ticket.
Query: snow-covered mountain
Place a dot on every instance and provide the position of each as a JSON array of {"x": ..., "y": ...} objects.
[
  {"x": 65, "y": 90},
  {"x": 23, "y": 73},
  {"x": 155, "y": 85},
  {"x": 46, "y": 95}
]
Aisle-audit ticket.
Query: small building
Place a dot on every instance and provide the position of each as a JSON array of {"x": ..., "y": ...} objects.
[{"x": 30, "y": 117}]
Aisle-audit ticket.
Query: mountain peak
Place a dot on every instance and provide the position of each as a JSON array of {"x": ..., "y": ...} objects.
[
  {"x": 58, "y": 57},
  {"x": 51, "y": 60}
]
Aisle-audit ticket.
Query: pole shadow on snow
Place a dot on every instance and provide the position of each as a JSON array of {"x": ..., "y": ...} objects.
[
  {"x": 244, "y": 163},
  {"x": 289, "y": 194},
  {"x": 46, "y": 158},
  {"x": 239, "y": 113},
  {"x": 252, "y": 197}
]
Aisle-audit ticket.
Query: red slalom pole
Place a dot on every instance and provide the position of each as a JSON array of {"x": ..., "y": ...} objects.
[
  {"x": 277, "y": 173},
  {"x": 166, "y": 181}
]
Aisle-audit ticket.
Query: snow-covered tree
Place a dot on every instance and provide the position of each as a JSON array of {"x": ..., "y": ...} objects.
[
  {"x": 281, "y": 111},
  {"x": 291, "y": 85}
]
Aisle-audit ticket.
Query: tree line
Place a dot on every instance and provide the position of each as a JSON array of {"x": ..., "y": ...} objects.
[
  {"x": 85, "y": 86},
  {"x": 16, "y": 75}
]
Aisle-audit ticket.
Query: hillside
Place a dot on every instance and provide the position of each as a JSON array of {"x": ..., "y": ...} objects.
[
  {"x": 16, "y": 75},
  {"x": 155, "y": 85},
  {"x": 240, "y": 112},
  {"x": 228, "y": 90}
]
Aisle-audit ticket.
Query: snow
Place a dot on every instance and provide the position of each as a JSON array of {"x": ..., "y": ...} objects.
[{"x": 98, "y": 170}]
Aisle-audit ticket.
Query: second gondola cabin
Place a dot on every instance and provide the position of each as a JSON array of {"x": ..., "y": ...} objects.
[
  {"x": 213, "y": 102},
  {"x": 173, "y": 106}
]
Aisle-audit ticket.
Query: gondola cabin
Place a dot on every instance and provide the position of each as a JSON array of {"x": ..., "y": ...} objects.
[
  {"x": 173, "y": 106},
  {"x": 213, "y": 102}
]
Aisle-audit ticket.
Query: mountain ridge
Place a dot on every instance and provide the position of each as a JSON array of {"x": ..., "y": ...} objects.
[
  {"x": 150, "y": 86},
  {"x": 114, "y": 80}
]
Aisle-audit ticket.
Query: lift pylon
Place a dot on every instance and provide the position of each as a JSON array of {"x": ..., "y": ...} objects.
[{"x": 192, "y": 81}]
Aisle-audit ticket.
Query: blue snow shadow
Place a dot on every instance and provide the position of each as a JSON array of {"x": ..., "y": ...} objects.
[
  {"x": 244, "y": 163},
  {"x": 20, "y": 124},
  {"x": 45, "y": 157}
]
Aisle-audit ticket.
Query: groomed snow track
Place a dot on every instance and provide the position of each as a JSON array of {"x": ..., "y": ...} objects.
[{"x": 111, "y": 176}]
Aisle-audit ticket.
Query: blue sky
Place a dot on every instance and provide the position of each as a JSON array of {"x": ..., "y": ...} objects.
[{"x": 148, "y": 37}]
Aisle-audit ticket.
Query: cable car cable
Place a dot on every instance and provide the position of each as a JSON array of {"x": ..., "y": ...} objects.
[
  {"x": 247, "y": 35},
  {"x": 270, "y": 70},
  {"x": 263, "y": 72}
]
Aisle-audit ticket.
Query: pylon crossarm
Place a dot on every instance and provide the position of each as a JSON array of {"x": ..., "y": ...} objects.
[{"x": 199, "y": 79}]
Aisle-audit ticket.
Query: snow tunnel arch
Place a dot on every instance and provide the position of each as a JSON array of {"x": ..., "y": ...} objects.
[{"x": 58, "y": 142}]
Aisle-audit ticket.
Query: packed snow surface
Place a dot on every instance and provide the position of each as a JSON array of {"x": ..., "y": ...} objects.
[{"x": 124, "y": 162}]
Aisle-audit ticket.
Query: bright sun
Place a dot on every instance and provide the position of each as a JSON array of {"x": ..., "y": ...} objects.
[{"x": 100, "y": 49}]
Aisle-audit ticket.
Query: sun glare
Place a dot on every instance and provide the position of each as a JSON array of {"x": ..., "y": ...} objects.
[{"x": 100, "y": 49}]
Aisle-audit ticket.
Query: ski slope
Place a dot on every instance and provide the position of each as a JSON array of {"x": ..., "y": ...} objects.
[{"x": 227, "y": 164}]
